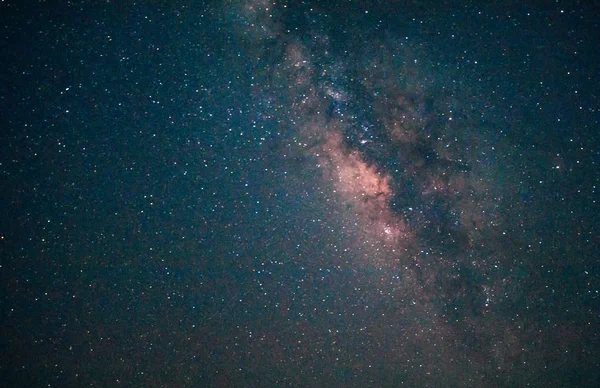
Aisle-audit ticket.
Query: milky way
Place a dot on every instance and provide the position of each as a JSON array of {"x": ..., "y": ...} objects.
[{"x": 409, "y": 171}]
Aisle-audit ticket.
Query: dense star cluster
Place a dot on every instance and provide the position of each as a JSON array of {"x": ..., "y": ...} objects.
[{"x": 255, "y": 193}]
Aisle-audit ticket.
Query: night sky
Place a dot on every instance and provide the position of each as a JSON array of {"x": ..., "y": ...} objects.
[{"x": 300, "y": 194}]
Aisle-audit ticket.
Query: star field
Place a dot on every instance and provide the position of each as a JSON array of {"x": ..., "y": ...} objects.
[{"x": 303, "y": 194}]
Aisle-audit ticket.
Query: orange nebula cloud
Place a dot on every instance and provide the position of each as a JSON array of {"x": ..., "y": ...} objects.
[{"x": 365, "y": 191}]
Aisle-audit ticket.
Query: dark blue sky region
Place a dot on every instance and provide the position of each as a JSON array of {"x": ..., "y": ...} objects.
[{"x": 303, "y": 194}]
